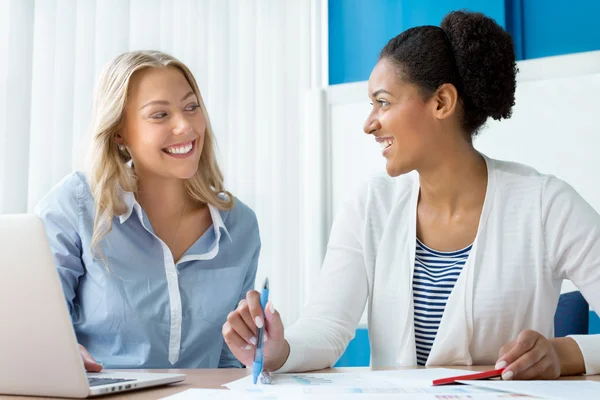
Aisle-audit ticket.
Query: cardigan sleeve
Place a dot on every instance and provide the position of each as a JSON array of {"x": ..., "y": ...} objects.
[
  {"x": 328, "y": 322},
  {"x": 572, "y": 242}
]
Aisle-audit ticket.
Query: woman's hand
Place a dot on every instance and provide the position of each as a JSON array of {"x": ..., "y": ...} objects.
[
  {"x": 533, "y": 356},
  {"x": 88, "y": 361},
  {"x": 241, "y": 330}
]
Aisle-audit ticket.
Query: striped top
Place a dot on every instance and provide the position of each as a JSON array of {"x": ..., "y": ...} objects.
[{"x": 434, "y": 278}]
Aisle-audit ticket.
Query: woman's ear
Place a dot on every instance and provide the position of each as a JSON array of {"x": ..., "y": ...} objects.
[
  {"x": 119, "y": 137},
  {"x": 445, "y": 101}
]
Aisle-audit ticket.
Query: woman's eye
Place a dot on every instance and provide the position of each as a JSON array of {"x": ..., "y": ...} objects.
[
  {"x": 192, "y": 107},
  {"x": 382, "y": 103},
  {"x": 158, "y": 115}
]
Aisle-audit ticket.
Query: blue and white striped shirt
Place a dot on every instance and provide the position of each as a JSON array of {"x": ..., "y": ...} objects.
[{"x": 434, "y": 278}]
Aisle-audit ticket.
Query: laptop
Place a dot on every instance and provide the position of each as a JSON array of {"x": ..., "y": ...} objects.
[{"x": 39, "y": 354}]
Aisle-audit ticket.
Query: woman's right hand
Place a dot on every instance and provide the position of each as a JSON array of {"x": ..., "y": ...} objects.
[
  {"x": 88, "y": 361},
  {"x": 241, "y": 330}
]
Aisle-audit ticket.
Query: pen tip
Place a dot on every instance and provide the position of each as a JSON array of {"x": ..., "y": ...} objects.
[{"x": 266, "y": 285}]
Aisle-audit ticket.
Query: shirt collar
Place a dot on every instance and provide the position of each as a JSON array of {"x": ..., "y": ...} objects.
[{"x": 132, "y": 204}]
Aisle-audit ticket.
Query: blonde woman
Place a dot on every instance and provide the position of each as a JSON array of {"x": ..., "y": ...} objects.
[{"x": 152, "y": 252}]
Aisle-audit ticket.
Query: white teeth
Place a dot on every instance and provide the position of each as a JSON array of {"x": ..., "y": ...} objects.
[
  {"x": 180, "y": 149},
  {"x": 386, "y": 143}
]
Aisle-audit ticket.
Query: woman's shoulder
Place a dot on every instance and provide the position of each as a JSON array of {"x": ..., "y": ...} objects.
[
  {"x": 71, "y": 190},
  {"x": 514, "y": 170},
  {"x": 527, "y": 185},
  {"x": 240, "y": 214},
  {"x": 513, "y": 176}
]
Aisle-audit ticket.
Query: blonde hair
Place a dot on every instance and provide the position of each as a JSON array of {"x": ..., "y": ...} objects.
[{"x": 109, "y": 173}]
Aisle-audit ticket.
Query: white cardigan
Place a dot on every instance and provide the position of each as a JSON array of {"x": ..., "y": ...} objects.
[{"x": 534, "y": 231}]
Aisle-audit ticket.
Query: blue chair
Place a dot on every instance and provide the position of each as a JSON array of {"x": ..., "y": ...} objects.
[
  {"x": 572, "y": 318},
  {"x": 572, "y": 315}
]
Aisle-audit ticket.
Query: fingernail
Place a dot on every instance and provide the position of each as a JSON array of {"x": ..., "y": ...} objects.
[
  {"x": 248, "y": 347},
  {"x": 500, "y": 365},
  {"x": 265, "y": 338},
  {"x": 272, "y": 309},
  {"x": 253, "y": 340},
  {"x": 506, "y": 375},
  {"x": 259, "y": 322}
]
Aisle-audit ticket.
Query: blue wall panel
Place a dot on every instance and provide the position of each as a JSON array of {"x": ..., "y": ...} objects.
[
  {"x": 594, "y": 324},
  {"x": 358, "y": 352},
  {"x": 553, "y": 27},
  {"x": 358, "y": 29}
]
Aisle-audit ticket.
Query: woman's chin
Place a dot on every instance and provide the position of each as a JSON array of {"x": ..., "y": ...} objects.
[
  {"x": 396, "y": 169},
  {"x": 392, "y": 170},
  {"x": 184, "y": 173},
  {"x": 188, "y": 175}
]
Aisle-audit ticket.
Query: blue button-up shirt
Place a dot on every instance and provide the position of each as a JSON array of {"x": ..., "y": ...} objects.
[{"x": 136, "y": 307}]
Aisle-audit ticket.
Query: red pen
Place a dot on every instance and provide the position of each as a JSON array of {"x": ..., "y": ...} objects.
[{"x": 471, "y": 377}]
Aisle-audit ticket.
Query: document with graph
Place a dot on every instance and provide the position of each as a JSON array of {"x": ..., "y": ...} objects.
[
  {"x": 364, "y": 382},
  {"x": 203, "y": 394}
]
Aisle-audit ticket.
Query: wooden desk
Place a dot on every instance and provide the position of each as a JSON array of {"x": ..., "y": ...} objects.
[{"x": 214, "y": 378}]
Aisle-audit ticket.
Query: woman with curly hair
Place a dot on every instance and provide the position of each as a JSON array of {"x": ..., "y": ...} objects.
[{"x": 459, "y": 257}]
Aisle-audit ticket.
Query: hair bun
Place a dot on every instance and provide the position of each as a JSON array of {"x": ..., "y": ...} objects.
[{"x": 485, "y": 62}]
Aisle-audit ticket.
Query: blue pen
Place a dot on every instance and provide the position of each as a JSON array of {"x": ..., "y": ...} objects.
[{"x": 257, "y": 366}]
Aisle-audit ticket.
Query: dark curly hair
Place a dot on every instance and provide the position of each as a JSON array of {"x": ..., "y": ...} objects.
[{"x": 470, "y": 51}]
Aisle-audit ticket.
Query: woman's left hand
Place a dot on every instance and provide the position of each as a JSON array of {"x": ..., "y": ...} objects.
[{"x": 530, "y": 356}]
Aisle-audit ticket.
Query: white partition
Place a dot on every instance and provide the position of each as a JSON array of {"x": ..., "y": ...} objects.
[{"x": 554, "y": 128}]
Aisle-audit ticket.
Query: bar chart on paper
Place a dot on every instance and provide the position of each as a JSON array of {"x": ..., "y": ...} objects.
[
  {"x": 203, "y": 394},
  {"x": 311, "y": 380},
  {"x": 371, "y": 382}
]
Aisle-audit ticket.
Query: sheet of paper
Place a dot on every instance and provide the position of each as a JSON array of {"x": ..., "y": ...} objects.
[
  {"x": 397, "y": 381},
  {"x": 200, "y": 394},
  {"x": 220, "y": 394},
  {"x": 215, "y": 394},
  {"x": 581, "y": 390}
]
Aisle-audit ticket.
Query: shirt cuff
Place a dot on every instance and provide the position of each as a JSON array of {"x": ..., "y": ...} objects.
[
  {"x": 298, "y": 349},
  {"x": 590, "y": 348}
]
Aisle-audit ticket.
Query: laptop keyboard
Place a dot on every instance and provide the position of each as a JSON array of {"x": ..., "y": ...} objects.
[{"x": 106, "y": 381}]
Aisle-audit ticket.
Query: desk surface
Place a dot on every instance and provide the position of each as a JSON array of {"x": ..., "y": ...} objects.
[{"x": 215, "y": 378}]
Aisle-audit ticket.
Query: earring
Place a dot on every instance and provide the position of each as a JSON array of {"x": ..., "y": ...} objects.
[{"x": 122, "y": 148}]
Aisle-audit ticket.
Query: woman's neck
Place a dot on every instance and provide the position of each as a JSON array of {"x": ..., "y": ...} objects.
[
  {"x": 457, "y": 181},
  {"x": 162, "y": 197}
]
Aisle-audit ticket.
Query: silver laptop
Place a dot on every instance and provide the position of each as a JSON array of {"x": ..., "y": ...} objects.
[{"x": 39, "y": 354}]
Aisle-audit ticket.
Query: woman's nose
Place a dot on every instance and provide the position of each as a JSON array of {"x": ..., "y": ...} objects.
[
  {"x": 371, "y": 125},
  {"x": 182, "y": 125}
]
